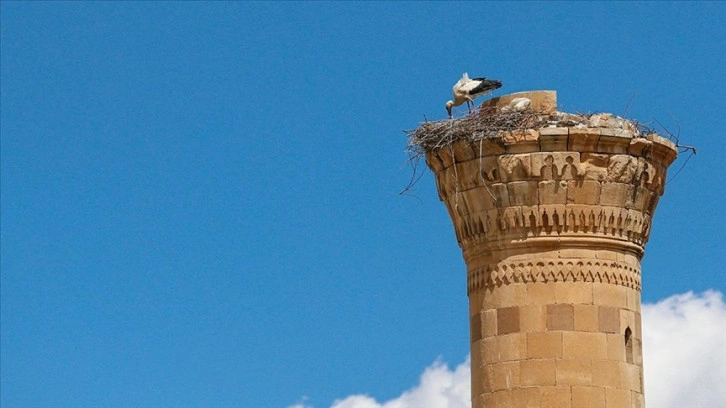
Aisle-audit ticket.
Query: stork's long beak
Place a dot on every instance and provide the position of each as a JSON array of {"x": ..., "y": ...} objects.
[{"x": 448, "y": 109}]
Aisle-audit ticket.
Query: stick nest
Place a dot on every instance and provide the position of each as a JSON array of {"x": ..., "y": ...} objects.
[
  {"x": 481, "y": 124},
  {"x": 491, "y": 122}
]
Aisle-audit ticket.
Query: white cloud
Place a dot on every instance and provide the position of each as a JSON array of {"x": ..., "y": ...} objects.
[
  {"x": 684, "y": 349},
  {"x": 439, "y": 388},
  {"x": 301, "y": 403}
]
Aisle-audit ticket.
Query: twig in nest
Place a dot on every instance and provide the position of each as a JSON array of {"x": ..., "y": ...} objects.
[{"x": 415, "y": 176}]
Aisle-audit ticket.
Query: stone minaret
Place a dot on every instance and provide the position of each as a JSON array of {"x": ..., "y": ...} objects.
[{"x": 552, "y": 222}]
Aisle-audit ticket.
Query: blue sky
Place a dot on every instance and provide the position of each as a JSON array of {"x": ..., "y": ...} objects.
[{"x": 200, "y": 201}]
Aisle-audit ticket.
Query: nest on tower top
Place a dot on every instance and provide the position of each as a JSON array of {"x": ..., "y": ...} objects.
[
  {"x": 489, "y": 122},
  {"x": 483, "y": 123}
]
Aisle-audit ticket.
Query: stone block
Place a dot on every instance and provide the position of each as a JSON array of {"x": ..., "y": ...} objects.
[
  {"x": 475, "y": 331},
  {"x": 574, "y": 372},
  {"x": 554, "y": 165},
  {"x": 478, "y": 400},
  {"x": 462, "y": 151},
  {"x": 500, "y": 193},
  {"x": 512, "y": 346},
  {"x": 609, "y": 319},
  {"x": 639, "y": 146},
  {"x": 584, "y": 345},
  {"x": 573, "y": 292},
  {"x": 555, "y": 397},
  {"x": 487, "y": 378},
  {"x": 544, "y": 345},
  {"x": 508, "y": 320},
  {"x": 614, "y": 141},
  {"x": 540, "y": 293},
  {"x": 505, "y": 376},
  {"x": 490, "y": 147},
  {"x": 488, "y": 169},
  {"x": 630, "y": 376},
  {"x": 583, "y": 192},
  {"x": 617, "y": 398},
  {"x": 607, "y": 255},
  {"x": 489, "y": 349},
  {"x": 663, "y": 150},
  {"x": 537, "y": 372},
  {"x": 513, "y": 294},
  {"x": 502, "y": 398},
  {"x": 552, "y": 192},
  {"x": 522, "y": 193},
  {"x": 513, "y": 138},
  {"x": 521, "y": 141},
  {"x": 632, "y": 298},
  {"x": 642, "y": 199},
  {"x": 588, "y": 397},
  {"x": 477, "y": 358},
  {"x": 446, "y": 155},
  {"x": 489, "y": 323},
  {"x": 515, "y": 167},
  {"x": 636, "y": 400},
  {"x": 638, "y": 331},
  {"x": 560, "y": 317},
  {"x": 586, "y": 318},
  {"x": 615, "y": 194},
  {"x": 622, "y": 168},
  {"x": 607, "y": 294},
  {"x": 606, "y": 373},
  {"x": 582, "y": 139},
  {"x": 477, "y": 374},
  {"x": 615, "y": 347},
  {"x": 526, "y": 397},
  {"x": 553, "y": 139},
  {"x": 593, "y": 166},
  {"x": 433, "y": 161},
  {"x": 533, "y": 318},
  {"x": 467, "y": 174}
]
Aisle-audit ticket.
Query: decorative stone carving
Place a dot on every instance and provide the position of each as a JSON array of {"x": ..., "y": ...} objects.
[
  {"x": 621, "y": 168},
  {"x": 515, "y": 167},
  {"x": 554, "y": 270}
]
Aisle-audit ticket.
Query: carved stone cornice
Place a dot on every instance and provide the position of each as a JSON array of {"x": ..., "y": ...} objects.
[
  {"x": 553, "y": 270},
  {"x": 604, "y": 182},
  {"x": 522, "y": 222}
]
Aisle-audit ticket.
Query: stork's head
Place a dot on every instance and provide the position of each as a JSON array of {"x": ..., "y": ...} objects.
[{"x": 449, "y": 105}]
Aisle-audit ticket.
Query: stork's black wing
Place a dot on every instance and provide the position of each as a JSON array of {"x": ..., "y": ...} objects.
[{"x": 485, "y": 85}]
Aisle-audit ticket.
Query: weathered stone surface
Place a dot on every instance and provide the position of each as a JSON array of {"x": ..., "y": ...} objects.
[
  {"x": 586, "y": 318},
  {"x": 606, "y": 373},
  {"x": 588, "y": 397},
  {"x": 537, "y": 372},
  {"x": 584, "y": 345},
  {"x": 508, "y": 320},
  {"x": 544, "y": 345},
  {"x": 583, "y": 139},
  {"x": 574, "y": 372},
  {"x": 560, "y": 317},
  {"x": 555, "y": 397}
]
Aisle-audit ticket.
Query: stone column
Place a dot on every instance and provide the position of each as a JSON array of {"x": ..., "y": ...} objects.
[{"x": 552, "y": 223}]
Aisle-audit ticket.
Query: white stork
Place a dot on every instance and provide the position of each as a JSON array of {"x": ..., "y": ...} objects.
[{"x": 467, "y": 89}]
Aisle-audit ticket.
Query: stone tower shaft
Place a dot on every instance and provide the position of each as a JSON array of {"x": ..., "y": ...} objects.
[{"x": 552, "y": 222}]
